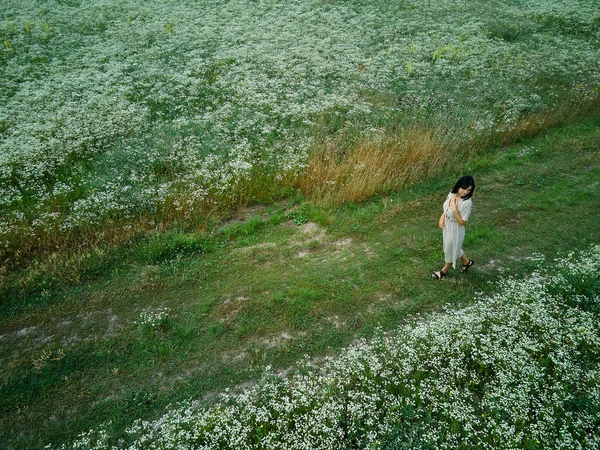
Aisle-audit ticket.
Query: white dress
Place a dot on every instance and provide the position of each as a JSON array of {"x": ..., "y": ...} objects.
[{"x": 454, "y": 234}]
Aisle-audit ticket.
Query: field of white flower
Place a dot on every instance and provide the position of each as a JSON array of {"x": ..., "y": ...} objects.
[
  {"x": 115, "y": 109},
  {"x": 517, "y": 370}
]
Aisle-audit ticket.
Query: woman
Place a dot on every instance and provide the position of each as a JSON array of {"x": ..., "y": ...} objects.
[{"x": 457, "y": 209}]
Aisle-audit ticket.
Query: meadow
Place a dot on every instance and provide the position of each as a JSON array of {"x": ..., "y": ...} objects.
[
  {"x": 514, "y": 370},
  {"x": 208, "y": 197},
  {"x": 114, "y": 338},
  {"x": 120, "y": 116}
]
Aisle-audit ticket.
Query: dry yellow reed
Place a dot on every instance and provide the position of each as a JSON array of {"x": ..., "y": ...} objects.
[{"x": 372, "y": 167}]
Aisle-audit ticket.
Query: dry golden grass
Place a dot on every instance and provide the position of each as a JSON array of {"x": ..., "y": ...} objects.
[
  {"x": 530, "y": 125},
  {"x": 372, "y": 167},
  {"x": 534, "y": 124}
]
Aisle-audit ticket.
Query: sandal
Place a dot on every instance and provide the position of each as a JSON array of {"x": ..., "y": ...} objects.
[
  {"x": 438, "y": 275},
  {"x": 464, "y": 267}
]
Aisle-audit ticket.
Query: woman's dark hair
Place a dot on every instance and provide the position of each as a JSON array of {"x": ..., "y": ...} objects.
[{"x": 464, "y": 183}]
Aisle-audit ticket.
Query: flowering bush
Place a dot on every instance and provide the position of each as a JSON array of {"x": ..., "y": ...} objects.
[
  {"x": 112, "y": 109},
  {"x": 518, "y": 369},
  {"x": 154, "y": 319}
]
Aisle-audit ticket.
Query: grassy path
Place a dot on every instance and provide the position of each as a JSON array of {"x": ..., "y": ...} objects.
[{"x": 278, "y": 283}]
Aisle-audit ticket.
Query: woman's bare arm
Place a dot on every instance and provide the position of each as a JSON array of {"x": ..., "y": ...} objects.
[{"x": 457, "y": 216}]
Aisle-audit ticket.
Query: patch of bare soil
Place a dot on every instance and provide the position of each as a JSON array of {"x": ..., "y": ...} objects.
[
  {"x": 314, "y": 239},
  {"x": 245, "y": 213},
  {"x": 278, "y": 340},
  {"x": 228, "y": 309},
  {"x": 253, "y": 248},
  {"x": 57, "y": 334}
]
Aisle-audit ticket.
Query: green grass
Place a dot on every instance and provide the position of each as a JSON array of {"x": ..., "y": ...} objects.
[{"x": 270, "y": 285}]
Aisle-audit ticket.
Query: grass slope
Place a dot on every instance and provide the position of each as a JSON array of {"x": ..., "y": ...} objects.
[
  {"x": 515, "y": 370},
  {"x": 271, "y": 285}
]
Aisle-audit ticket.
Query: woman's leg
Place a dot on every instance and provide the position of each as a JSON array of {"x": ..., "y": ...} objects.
[
  {"x": 438, "y": 275},
  {"x": 466, "y": 263}
]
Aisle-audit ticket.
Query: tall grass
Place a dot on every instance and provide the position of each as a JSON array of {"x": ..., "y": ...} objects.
[
  {"x": 386, "y": 159},
  {"x": 377, "y": 164},
  {"x": 570, "y": 108}
]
